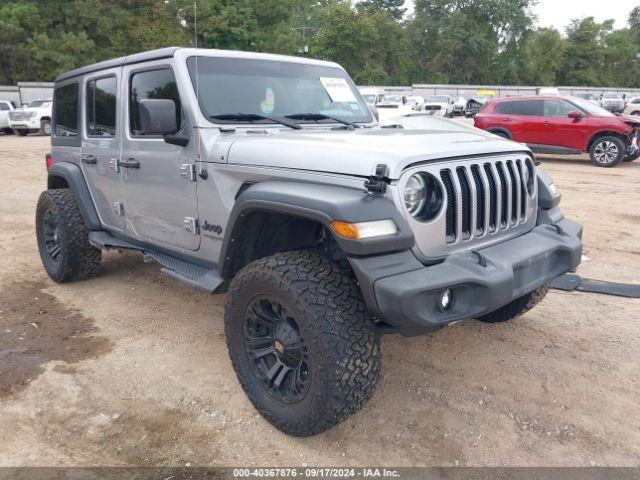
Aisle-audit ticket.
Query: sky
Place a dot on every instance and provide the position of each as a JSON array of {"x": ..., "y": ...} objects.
[{"x": 558, "y": 13}]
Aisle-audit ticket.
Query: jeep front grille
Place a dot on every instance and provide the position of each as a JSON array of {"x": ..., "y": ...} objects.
[
  {"x": 479, "y": 194},
  {"x": 485, "y": 201}
]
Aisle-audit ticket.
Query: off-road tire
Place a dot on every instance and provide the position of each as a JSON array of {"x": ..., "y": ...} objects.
[
  {"x": 22, "y": 133},
  {"x": 44, "y": 126},
  {"x": 518, "y": 307},
  {"x": 619, "y": 145},
  {"x": 78, "y": 259},
  {"x": 333, "y": 322}
]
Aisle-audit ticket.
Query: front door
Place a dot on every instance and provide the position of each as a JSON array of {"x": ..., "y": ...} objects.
[
  {"x": 159, "y": 189},
  {"x": 559, "y": 129},
  {"x": 101, "y": 142}
]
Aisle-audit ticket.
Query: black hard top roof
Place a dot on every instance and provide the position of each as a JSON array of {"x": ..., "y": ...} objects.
[{"x": 118, "y": 62}]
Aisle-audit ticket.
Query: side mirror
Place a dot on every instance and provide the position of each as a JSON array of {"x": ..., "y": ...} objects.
[
  {"x": 158, "y": 117},
  {"x": 576, "y": 115}
]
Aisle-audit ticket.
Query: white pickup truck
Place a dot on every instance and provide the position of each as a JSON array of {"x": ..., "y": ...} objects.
[
  {"x": 5, "y": 108},
  {"x": 36, "y": 117}
]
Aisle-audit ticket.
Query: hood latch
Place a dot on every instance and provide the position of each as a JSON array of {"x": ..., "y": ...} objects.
[{"x": 377, "y": 184}]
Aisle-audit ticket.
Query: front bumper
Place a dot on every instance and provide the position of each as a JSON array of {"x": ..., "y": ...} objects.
[
  {"x": 406, "y": 293},
  {"x": 29, "y": 124}
]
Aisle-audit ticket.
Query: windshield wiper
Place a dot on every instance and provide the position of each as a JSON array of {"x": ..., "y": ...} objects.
[
  {"x": 321, "y": 116},
  {"x": 251, "y": 117}
]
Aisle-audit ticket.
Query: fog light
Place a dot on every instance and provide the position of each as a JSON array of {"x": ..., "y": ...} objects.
[{"x": 445, "y": 301}]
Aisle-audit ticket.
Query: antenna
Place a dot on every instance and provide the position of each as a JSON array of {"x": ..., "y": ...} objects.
[{"x": 197, "y": 126}]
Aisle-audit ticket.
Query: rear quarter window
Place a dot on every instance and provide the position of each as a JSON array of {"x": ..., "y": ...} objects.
[{"x": 66, "y": 110}]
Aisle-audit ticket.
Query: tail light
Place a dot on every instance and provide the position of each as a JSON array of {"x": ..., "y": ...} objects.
[{"x": 48, "y": 160}]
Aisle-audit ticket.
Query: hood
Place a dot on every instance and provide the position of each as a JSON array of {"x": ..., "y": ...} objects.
[{"x": 357, "y": 152}]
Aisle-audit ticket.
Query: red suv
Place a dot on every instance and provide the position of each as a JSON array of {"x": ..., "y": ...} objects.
[{"x": 563, "y": 125}]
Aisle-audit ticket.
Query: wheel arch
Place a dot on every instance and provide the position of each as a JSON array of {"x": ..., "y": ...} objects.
[
  {"x": 497, "y": 130},
  {"x": 307, "y": 209},
  {"x": 604, "y": 133},
  {"x": 68, "y": 175}
]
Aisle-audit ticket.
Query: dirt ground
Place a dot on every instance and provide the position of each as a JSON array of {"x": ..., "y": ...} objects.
[{"x": 131, "y": 368}]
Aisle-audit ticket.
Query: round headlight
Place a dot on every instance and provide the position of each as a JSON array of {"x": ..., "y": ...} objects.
[
  {"x": 423, "y": 196},
  {"x": 415, "y": 194}
]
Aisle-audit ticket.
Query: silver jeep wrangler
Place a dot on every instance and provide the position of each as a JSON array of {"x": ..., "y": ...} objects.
[{"x": 268, "y": 176}]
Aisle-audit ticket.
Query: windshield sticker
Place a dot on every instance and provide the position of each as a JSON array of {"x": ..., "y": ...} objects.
[
  {"x": 267, "y": 105},
  {"x": 338, "y": 89}
]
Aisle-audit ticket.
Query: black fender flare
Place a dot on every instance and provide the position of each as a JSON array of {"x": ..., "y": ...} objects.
[
  {"x": 73, "y": 176},
  {"x": 321, "y": 204}
]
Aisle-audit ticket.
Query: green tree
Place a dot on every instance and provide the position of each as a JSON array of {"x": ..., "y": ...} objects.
[
  {"x": 541, "y": 57},
  {"x": 395, "y": 8},
  {"x": 585, "y": 53}
]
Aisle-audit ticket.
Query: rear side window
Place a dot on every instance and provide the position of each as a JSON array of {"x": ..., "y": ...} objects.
[
  {"x": 504, "y": 108},
  {"x": 4, "y": 106},
  {"x": 521, "y": 107},
  {"x": 154, "y": 84},
  {"x": 66, "y": 110},
  {"x": 101, "y": 107}
]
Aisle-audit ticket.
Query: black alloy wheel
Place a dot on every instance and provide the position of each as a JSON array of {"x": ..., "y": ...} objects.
[{"x": 279, "y": 355}]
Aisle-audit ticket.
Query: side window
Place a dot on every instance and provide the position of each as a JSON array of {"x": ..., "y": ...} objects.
[
  {"x": 101, "y": 107},
  {"x": 4, "y": 107},
  {"x": 66, "y": 110},
  {"x": 155, "y": 84},
  {"x": 557, "y": 108},
  {"x": 505, "y": 108},
  {"x": 529, "y": 108}
]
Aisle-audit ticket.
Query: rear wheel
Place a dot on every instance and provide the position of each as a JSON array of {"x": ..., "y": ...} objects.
[
  {"x": 518, "y": 307},
  {"x": 302, "y": 344},
  {"x": 607, "y": 151},
  {"x": 63, "y": 238}
]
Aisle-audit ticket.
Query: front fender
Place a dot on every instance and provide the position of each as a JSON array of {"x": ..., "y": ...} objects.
[
  {"x": 322, "y": 204},
  {"x": 73, "y": 176}
]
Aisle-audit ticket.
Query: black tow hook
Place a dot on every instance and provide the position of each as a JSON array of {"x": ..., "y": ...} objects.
[{"x": 377, "y": 184}]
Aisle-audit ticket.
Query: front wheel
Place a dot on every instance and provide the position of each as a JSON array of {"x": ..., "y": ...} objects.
[
  {"x": 22, "y": 133},
  {"x": 45, "y": 127},
  {"x": 607, "y": 151},
  {"x": 517, "y": 307},
  {"x": 303, "y": 346}
]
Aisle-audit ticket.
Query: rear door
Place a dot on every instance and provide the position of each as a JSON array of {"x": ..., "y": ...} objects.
[
  {"x": 559, "y": 130},
  {"x": 523, "y": 118},
  {"x": 159, "y": 187},
  {"x": 101, "y": 144}
]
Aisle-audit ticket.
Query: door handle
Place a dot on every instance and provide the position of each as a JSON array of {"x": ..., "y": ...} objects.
[
  {"x": 129, "y": 163},
  {"x": 89, "y": 159}
]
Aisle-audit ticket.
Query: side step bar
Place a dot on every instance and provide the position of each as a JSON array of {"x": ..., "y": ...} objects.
[{"x": 202, "y": 278}]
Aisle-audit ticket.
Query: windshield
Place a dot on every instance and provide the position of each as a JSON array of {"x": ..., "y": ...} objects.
[
  {"x": 591, "y": 108},
  {"x": 39, "y": 103},
  {"x": 277, "y": 89},
  {"x": 611, "y": 95},
  {"x": 438, "y": 99},
  {"x": 392, "y": 99}
]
